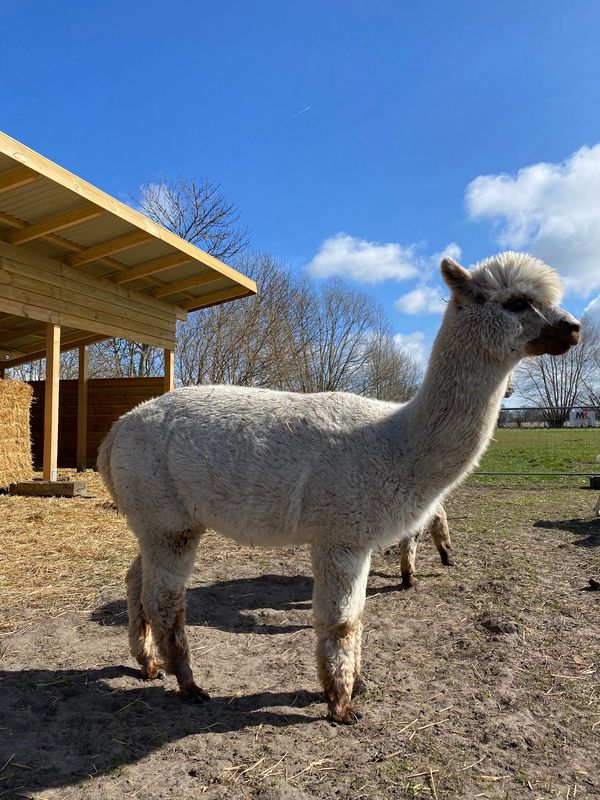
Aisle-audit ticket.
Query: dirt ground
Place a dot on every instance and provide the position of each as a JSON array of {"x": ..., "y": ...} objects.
[{"x": 484, "y": 679}]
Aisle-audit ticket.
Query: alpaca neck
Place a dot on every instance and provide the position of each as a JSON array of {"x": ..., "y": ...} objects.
[{"x": 453, "y": 415}]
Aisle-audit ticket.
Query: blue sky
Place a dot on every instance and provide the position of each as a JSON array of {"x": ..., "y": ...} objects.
[{"x": 357, "y": 138}]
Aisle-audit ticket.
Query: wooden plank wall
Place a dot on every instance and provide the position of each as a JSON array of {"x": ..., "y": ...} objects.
[
  {"x": 43, "y": 289},
  {"x": 108, "y": 399}
]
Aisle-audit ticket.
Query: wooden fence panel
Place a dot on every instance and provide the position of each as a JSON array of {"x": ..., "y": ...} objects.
[{"x": 108, "y": 399}]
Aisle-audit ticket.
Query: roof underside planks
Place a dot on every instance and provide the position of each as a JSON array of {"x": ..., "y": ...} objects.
[{"x": 64, "y": 242}]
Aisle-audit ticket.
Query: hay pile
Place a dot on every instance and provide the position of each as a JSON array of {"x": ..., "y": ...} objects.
[{"x": 15, "y": 434}]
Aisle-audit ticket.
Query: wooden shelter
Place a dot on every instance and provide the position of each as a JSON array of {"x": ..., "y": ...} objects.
[{"x": 78, "y": 266}]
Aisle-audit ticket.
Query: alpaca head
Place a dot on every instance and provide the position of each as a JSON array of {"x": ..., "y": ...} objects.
[{"x": 511, "y": 303}]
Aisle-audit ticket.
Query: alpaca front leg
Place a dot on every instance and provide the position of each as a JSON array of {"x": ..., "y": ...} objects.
[
  {"x": 141, "y": 641},
  {"x": 408, "y": 554},
  {"x": 440, "y": 533},
  {"x": 338, "y": 602},
  {"x": 166, "y": 567}
]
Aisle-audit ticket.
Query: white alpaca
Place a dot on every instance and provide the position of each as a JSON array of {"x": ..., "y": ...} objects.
[{"x": 341, "y": 473}]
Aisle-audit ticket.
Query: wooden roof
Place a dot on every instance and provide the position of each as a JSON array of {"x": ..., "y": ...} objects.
[{"x": 55, "y": 218}]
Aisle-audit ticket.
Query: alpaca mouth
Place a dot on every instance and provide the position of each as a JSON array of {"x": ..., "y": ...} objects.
[{"x": 553, "y": 343}]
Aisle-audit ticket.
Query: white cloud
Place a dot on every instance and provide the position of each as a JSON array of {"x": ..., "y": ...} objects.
[
  {"x": 414, "y": 344},
  {"x": 422, "y": 300},
  {"x": 425, "y": 298},
  {"x": 371, "y": 262},
  {"x": 552, "y": 210},
  {"x": 592, "y": 310},
  {"x": 367, "y": 262},
  {"x": 451, "y": 250}
]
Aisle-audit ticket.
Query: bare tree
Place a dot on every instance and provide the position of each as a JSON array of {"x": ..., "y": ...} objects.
[
  {"x": 557, "y": 384},
  {"x": 121, "y": 358},
  {"x": 297, "y": 336},
  {"x": 197, "y": 210},
  {"x": 247, "y": 342},
  {"x": 591, "y": 381},
  {"x": 388, "y": 373},
  {"x": 331, "y": 337},
  {"x": 36, "y": 370}
]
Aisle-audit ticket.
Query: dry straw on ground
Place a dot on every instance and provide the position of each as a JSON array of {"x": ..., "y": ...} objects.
[
  {"x": 15, "y": 436},
  {"x": 60, "y": 554}
]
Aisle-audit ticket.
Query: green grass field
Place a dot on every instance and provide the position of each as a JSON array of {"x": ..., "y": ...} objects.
[{"x": 542, "y": 450}]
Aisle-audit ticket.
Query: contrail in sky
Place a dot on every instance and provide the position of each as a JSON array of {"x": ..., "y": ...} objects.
[{"x": 304, "y": 110}]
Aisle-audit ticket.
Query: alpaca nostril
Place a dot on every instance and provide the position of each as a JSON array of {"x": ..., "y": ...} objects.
[{"x": 568, "y": 326}]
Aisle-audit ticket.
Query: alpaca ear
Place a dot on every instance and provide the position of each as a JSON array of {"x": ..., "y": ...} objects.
[{"x": 459, "y": 280}]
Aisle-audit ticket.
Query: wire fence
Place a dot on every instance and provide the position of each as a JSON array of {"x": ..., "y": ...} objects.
[{"x": 545, "y": 441}]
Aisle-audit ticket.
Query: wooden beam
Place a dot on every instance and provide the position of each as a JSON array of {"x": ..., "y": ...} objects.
[
  {"x": 107, "y": 248},
  {"x": 61, "y": 241},
  {"x": 187, "y": 283},
  {"x": 49, "y": 488},
  {"x": 169, "y": 370},
  {"x": 8, "y": 355},
  {"x": 18, "y": 176},
  {"x": 150, "y": 267},
  {"x": 51, "y": 402},
  {"x": 57, "y": 222},
  {"x": 67, "y": 343},
  {"x": 214, "y": 298},
  {"x": 82, "y": 408},
  {"x": 39, "y": 329}
]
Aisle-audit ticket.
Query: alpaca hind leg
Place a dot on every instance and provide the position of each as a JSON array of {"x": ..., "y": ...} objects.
[
  {"x": 338, "y": 602},
  {"x": 141, "y": 641},
  {"x": 408, "y": 554},
  {"x": 361, "y": 685},
  {"x": 440, "y": 533},
  {"x": 167, "y": 564}
]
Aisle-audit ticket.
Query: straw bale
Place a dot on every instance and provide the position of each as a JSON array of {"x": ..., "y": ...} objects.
[{"x": 15, "y": 432}]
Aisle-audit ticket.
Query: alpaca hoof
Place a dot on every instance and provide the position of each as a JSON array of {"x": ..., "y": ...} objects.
[
  {"x": 152, "y": 671},
  {"x": 361, "y": 686},
  {"x": 348, "y": 716},
  {"x": 193, "y": 694},
  {"x": 408, "y": 582},
  {"x": 447, "y": 559}
]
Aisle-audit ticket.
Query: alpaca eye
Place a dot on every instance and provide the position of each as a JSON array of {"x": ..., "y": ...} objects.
[{"x": 517, "y": 304}]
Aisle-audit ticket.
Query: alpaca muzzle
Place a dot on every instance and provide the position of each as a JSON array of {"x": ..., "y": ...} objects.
[{"x": 555, "y": 340}]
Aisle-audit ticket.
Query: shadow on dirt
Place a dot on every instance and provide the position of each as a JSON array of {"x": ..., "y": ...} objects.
[
  {"x": 589, "y": 530},
  {"x": 61, "y": 727},
  {"x": 225, "y": 605}
]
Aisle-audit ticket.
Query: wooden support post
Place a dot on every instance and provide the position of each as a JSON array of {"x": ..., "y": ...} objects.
[
  {"x": 51, "y": 401},
  {"x": 82, "y": 409},
  {"x": 169, "y": 370},
  {"x": 1, "y": 373}
]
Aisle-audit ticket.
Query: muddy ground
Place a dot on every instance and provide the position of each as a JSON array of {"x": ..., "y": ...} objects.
[{"x": 484, "y": 679}]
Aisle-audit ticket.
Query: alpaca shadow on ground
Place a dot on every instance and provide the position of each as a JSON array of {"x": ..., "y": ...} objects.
[
  {"x": 228, "y": 605},
  {"x": 589, "y": 530},
  {"x": 66, "y": 725},
  {"x": 397, "y": 587}
]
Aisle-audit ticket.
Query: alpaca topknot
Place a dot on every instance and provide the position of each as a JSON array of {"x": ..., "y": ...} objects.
[{"x": 511, "y": 273}]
